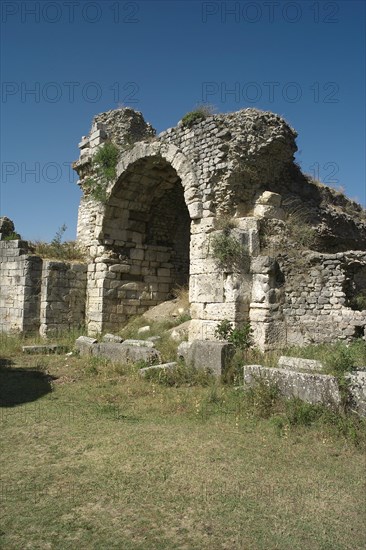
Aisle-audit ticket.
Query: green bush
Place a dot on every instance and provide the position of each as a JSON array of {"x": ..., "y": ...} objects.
[
  {"x": 104, "y": 165},
  {"x": 192, "y": 118},
  {"x": 358, "y": 302},
  {"x": 12, "y": 237},
  {"x": 228, "y": 251},
  {"x": 199, "y": 114},
  {"x": 240, "y": 337}
]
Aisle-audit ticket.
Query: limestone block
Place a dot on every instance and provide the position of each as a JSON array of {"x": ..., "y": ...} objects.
[
  {"x": 83, "y": 344},
  {"x": 206, "y": 289},
  {"x": 144, "y": 330},
  {"x": 202, "y": 330},
  {"x": 204, "y": 266},
  {"x": 138, "y": 343},
  {"x": 112, "y": 338},
  {"x": 311, "y": 388},
  {"x": 195, "y": 210},
  {"x": 260, "y": 289},
  {"x": 269, "y": 212},
  {"x": 137, "y": 254},
  {"x": 270, "y": 199},
  {"x": 199, "y": 246},
  {"x": 123, "y": 353},
  {"x": 180, "y": 332},
  {"x": 237, "y": 287},
  {"x": 182, "y": 350},
  {"x": 357, "y": 391},
  {"x": 214, "y": 356},
  {"x": 263, "y": 265},
  {"x": 299, "y": 364},
  {"x": 203, "y": 226},
  {"x": 156, "y": 368},
  {"x": 268, "y": 333},
  {"x": 217, "y": 312}
]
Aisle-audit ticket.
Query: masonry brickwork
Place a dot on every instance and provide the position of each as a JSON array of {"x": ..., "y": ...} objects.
[{"x": 223, "y": 176}]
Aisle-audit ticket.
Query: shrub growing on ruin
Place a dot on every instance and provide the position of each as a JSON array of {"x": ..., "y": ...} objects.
[
  {"x": 228, "y": 251},
  {"x": 13, "y": 236},
  {"x": 240, "y": 337},
  {"x": 58, "y": 250},
  {"x": 104, "y": 165},
  {"x": 200, "y": 113},
  {"x": 358, "y": 302}
]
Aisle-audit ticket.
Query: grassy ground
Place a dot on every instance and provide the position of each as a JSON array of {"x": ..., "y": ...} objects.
[{"x": 94, "y": 457}]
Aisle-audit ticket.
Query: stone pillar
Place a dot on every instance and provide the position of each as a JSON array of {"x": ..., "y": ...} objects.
[
  {"x": 20, "y": 275},
  {"x": 217, "y": 293},
  {"x": 266, "y": 317}
]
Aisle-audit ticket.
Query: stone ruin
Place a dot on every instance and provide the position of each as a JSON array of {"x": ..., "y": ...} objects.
[{"x": 301, "y": 277}]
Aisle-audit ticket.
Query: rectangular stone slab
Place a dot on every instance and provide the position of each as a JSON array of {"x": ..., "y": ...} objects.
[{"x": 312, "y": 388}]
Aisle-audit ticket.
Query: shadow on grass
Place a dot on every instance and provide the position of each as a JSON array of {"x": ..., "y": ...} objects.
[{"x": 19, "y": 385}]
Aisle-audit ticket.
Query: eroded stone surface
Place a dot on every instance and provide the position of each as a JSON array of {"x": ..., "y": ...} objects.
[
  {"x": 157, "y": 368},
  {"x": 210, "y": 355},
  {"x": 312, "y": 388},
  {"x": 299, "y": 364}
]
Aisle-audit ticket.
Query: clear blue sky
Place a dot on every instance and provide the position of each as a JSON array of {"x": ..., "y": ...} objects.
[{"x": 304, "y": 60}]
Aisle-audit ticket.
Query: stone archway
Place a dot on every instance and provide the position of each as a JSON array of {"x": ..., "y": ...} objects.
[{"x": 146, "y": 225}]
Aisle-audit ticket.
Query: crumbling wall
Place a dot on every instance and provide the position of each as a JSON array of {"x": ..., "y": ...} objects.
[
  {"x": 63, "y": 290},
  {"x": 20, "y": 275},
  {"x": 315, "y": 301},
  {"x": 36, "y": 294},
  {"x": 168, "y": 202},
  {"x": 161, "y": 214}
]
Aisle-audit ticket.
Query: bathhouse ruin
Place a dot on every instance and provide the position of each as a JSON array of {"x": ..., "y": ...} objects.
[{"x": 217, "y": 203}]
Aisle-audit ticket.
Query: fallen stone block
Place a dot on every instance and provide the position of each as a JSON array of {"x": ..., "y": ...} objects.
[
  {"x": 312, "y": 388},
  {"x": 44, "y": 349},
  {"x": 154, "y": 338},
  {"x": 84, "y": 343},
  {"x": 112, "y": 338},
  {"x": 143, "y": 330},
  {"x": 211, "y": 355},
  {"x": 357, "y": 391},
  {"x": 121, "y": 353},
  {"x": 139, "y": 343},
  {"x": 180, "y": 332},
  {"x": 299, "y": 364},
  {"x": 164, "y": 366},
  {"x": 182, "y": 351}
]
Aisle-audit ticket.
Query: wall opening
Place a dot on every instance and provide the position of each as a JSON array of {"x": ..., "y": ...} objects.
[
  {"x": 355, "y": 286},
  {"x": 147, "y": 224}
]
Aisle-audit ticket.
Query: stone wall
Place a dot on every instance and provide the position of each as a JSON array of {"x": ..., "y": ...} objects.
[
  {"x": 63, "y": 290},
  {"x": 20, "y": 288},
  {"x": 173, "y": 195},
  {"x": 167, "y": 203},
  {"x": 318, "y": 292},
  {"x": 39, "y": 295}
]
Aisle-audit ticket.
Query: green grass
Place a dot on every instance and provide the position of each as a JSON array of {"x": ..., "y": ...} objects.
[{"x": 95, "y": 457}]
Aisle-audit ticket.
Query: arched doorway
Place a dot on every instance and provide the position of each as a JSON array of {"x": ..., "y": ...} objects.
[
  {"x": 146, "y": 229},
  {"x": 147, "y": 221}
]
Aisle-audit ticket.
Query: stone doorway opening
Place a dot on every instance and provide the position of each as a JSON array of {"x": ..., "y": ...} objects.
[
  {"x": 355, "y": 286},
  {"x": 147, "y": 223}
]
